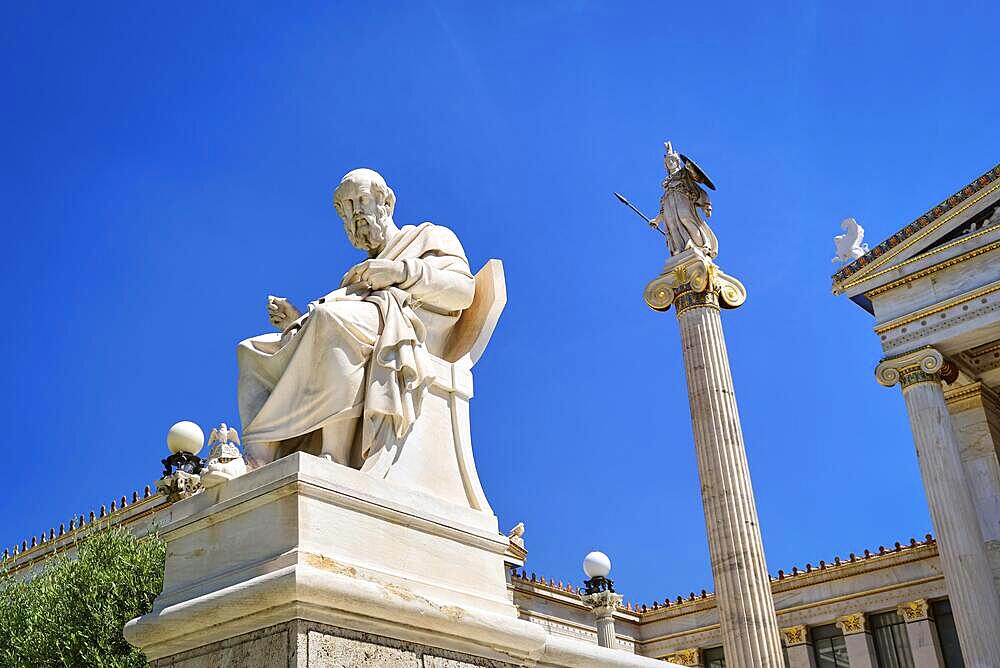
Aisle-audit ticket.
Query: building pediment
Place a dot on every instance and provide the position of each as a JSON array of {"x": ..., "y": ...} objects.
[{"x": 967, "y": 220}]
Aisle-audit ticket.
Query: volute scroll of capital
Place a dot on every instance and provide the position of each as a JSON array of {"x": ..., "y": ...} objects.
[
  {"x": 925, "y": 361},
  {"x": 731, "y": 292},
  {"x": 659, "y": 293},
  {"x": 698, "y": 277}
]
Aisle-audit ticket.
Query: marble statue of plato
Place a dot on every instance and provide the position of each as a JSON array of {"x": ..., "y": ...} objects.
[{"x": 345, "y": 379}]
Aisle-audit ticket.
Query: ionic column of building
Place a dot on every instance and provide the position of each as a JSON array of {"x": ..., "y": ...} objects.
[
  {"x": 857, "y": 639},
  {"x": 961, "y": 549},
  {"x": 800, "y": 650},
  {"x": 975, "y": 414},
  {"x": 697, "y": 289},
  {"x": 920, "y": 631}
]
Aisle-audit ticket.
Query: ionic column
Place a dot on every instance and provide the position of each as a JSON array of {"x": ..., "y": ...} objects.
[
  {"x": 697, "y": 289},
  {"x": 860, "y": 648},
  {"x": 923, "y": 637},
  {"x": 962, "y": 552},
  {"x": 800, "y": 650}
]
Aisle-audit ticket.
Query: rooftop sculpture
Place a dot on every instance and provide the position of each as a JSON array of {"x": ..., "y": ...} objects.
[{"x": 848, "y": 244}]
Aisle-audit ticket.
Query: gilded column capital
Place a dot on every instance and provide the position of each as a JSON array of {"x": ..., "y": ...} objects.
[
  {"x": 914, "y": 611},
  {"x": 851, "y": 624},
  {"x": 690, "y": 279},
  {"x": 686, "y": 657},
  {"x": 924, "y": 365},
  {"x": 795, "y": 635}
]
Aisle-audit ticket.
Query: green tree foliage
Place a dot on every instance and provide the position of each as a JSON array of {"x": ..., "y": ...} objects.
[{"x": 72, "y": 612}]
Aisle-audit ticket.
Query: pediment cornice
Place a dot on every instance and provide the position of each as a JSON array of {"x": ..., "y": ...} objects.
[{"x": 913, "y": 240}]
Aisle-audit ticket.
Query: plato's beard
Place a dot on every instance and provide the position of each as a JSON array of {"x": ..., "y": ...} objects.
[{"x": 368, "y": 235}]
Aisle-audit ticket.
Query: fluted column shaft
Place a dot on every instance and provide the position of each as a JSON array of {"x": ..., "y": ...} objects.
[
  {"x": 743, "y": 586},
  {"x": 696, "y": 288},
  {"x": 606, "y": 630},
  {"x": 962, "y": 552}
]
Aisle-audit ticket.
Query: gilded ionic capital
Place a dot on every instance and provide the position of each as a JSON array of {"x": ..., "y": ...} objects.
[
  {"x": 924, "y": 365},
  {"x": 851, "y": 624},
  {"x": 795, "y": 635},
  {"x": 686, "y": 657},
  {"x": 914, "y": 611},
  {"x": 690, "y": 279}
]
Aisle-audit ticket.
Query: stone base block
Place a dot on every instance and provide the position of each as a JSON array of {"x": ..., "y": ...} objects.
[
  {"x": 307, "y": 563},
  {"x": 303, "y": 644}
]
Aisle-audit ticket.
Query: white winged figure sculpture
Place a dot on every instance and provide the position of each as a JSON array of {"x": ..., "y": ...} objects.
[{"x": 849, "y": 246}]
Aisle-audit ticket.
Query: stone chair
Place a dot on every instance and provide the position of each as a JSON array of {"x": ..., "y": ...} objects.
[{"x": 436, "y": 456}]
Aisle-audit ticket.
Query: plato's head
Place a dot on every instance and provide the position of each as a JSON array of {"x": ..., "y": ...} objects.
[{"x": 365, "y": 203}]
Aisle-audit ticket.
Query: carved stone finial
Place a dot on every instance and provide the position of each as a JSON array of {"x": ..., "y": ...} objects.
[
  {"x": 516, "y": 535},
  {"x": 224, "y": 461}
]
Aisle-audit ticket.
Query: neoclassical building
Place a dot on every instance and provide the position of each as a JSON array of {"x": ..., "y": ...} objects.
[{"x": 933, "y": 290}]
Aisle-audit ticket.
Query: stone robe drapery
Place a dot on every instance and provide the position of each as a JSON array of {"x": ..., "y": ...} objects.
[
  {"x": 679, "y": 214},
  {"x": 357, "y": 352}
]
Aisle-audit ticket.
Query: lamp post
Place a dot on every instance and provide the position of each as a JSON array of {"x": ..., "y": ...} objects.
[
  {"x": 182, "y": 469},
  {"x": 599, "y": 595}
]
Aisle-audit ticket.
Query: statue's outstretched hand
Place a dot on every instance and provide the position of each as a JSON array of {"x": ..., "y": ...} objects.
[
  {"x": 376, "y": 274},
  {"x": 281, "y": 312},
  {"x": 707, "y": 209}
]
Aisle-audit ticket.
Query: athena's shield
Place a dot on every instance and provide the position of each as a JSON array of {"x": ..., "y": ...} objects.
[{"x": 696, "y": 172}]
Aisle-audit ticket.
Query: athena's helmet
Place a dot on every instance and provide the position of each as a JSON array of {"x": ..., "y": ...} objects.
[{"x": 672, "y": 161}]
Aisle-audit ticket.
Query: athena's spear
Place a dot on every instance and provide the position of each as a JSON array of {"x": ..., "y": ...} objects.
[{"x": 655, "y": 226}]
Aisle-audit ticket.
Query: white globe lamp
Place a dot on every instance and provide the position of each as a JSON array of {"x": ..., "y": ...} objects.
[
  {"x": 186, "y": 437},
  {"x": 596, "y": 565}
]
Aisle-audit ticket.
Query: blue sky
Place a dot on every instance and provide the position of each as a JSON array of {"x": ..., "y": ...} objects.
[{"x": 166, "y": 167}]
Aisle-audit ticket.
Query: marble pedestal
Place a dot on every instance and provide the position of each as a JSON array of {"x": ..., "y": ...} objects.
[{"x": 304, "y": 562}]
